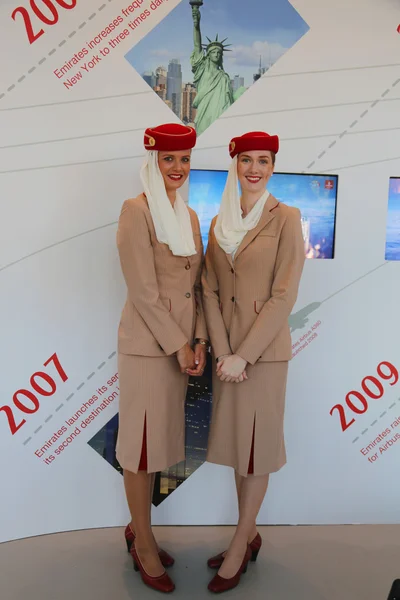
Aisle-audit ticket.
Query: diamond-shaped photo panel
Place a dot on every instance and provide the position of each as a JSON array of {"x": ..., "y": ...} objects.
[
  {"x": 198, "y": 415},
  {"x": 206, "y": 53}
]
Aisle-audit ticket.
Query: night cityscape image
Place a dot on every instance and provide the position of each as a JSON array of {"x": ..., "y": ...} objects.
[
  {"x": 393, "y": 221},
  {"x": 198, "y": 415},
  {"x": 314, "y": 195},
  {"x": 218, "y": 52}
]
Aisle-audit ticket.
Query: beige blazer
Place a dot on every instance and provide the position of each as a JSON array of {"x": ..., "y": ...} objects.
[
  {"x": 164, "y": 307},
  {"x": 248, "y": 300}
]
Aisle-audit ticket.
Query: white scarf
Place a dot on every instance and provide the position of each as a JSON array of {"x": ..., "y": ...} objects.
[
  {"x": 172, "y": 223},
  {"x": 230, "y": 227}
]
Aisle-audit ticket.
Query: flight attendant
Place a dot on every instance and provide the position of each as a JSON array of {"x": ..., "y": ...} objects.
[
  {"x": 162, "y": 337},
  {"x": 253, "y": 265}
]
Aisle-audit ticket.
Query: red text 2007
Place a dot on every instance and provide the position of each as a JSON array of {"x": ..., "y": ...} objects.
[{"x": 37, "y": 381}]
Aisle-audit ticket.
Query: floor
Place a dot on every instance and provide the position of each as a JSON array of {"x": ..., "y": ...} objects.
[{"x": 301, "y": 563}]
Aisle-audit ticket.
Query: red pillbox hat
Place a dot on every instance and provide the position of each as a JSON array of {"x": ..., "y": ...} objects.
[
  {"x": 169, "y": 137},
  {"x": 254, "y": 140}
]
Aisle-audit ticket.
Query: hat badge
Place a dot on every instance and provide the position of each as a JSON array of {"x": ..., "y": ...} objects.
[
  {"x": 232, "y": 146},
  {"x": 152, "y": 141}
]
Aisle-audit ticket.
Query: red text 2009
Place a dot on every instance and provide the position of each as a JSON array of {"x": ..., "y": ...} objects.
[{"x": 372, "y": 388}]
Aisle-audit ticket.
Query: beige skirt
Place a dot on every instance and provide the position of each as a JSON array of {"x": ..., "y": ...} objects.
[
  {"x": 152, "y": 390},
  {"x": 241, "y": 409}
]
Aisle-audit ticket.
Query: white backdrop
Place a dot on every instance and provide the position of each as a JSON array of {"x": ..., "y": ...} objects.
[{"x": 68, "y": 159}]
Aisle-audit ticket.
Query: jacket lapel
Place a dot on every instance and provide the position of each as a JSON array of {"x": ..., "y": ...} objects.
[
  {"x": 265, "y": 218},
  {"x": 229, "y": 258}
]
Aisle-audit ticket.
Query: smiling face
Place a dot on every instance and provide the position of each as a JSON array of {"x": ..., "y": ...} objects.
[
  {"x": 175, "y": 168},
  {"x": 254, "y": 170}
]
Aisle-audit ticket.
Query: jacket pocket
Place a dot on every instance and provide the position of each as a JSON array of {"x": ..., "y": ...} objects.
[
  {"x": 267, "y": 240},
  {"x": 167, "y": 303},
  {"x": 266, "y": 233},
  {"x": 258, "y": 304}
]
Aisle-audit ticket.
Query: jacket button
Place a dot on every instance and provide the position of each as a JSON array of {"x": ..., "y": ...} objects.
[
  {"x": 232, "y": 270},
  {"x": 188, "y": 294},
  {"x": 233, "y": 298},
  {"x": 187, "y": 267}
]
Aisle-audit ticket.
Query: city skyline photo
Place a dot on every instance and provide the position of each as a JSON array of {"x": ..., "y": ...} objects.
[{"x": 257, "y": 38}]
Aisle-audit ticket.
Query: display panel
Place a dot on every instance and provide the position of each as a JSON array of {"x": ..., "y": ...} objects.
[
  {"x": 314, "y": 195},
  {"x": 393, "y": 221}
]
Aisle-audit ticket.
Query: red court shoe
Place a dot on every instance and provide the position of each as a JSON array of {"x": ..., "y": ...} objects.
[
  {"x": 216, "y": 561},
  {"x": 219, "y": 584},
  {"x": 163, "y": 583},
  {"x": 166, "y": 559}
]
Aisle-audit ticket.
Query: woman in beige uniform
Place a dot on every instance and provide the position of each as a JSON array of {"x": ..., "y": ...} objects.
[
  {"x": 162, "y": 333},
  {"x": 253, "y": 265}
]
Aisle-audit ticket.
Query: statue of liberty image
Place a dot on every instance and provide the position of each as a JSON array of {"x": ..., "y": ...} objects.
[{"x": 213, "y": 84}]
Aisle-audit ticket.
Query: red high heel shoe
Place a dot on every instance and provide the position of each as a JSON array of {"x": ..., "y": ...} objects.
[
  {"x": 166, "y": 559},
  {"x": 163, "y": 583},
  {"x": 216, "y": 561},
  {"x": 219, "y": 584}
]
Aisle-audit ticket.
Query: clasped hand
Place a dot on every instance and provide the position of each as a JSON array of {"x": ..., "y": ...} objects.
[
  {"x": 231, "y": 368},
  {"x": 191, "y": 361}
]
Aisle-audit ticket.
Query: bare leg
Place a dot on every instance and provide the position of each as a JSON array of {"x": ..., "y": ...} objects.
[
  {"x": 137, "y": 488},
  {"x": 152, "y": 480},
  {"x": 239, "y": 482},
  {"x": 252, "y": 492},
  {"x": 152, "y": 483}
]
